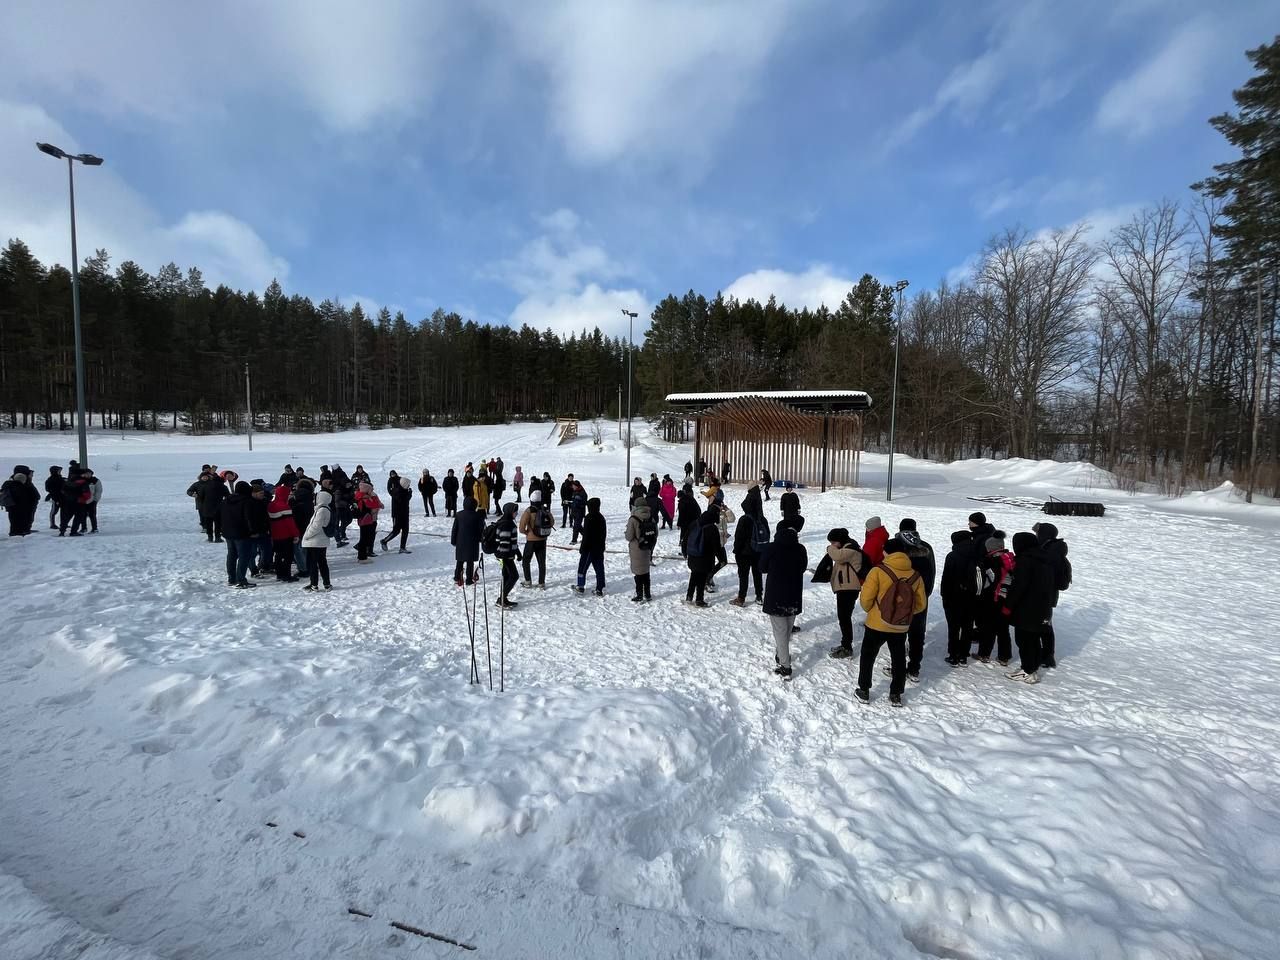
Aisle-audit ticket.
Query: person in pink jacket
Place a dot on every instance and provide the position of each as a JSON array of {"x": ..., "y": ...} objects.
[{"x": 667, "y": 494}]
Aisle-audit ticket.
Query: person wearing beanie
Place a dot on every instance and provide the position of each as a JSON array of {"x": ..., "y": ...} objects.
[
  {"x": 701, "y": 551},
  {"x": 594, "y": 531},
  {"x": 784, "y": 562},
  {"x": 961, "y": 582},
  {"x": 667, "y": 496},
  {"x": 260, "y": 520},
  {"x": 873, "y": 545},
  {"x": 687, "y": 514},
  {"x": 53, "y": 494},
  {"x": 365, "y": 509},
  {"x": 841, "y": 564},
  {"x": 213, "y": 490},
  {"x": 468, "y": 528},
  {"x": 196, "y": 492},
  {"x": 427, "y": 487},
  {"x": 992, "y": 629},
  {"x": 750, "y": 538},
  {"x": 980, "y": 532},
  {"x": 536, "y": 523},
  {"x": 578, "y": 510},
  {"x": 724, "y": 517},
  {"x": 498, "y": 484},
  {"x": 1030, "y": 604},
  {"x": 791, "y": 518},
  {"x": 449, "y": 487},
  {"x": 566, "y": 500},
  {"x": 641, "y": 534},
  {"x": 401, "y": 500},
  {"x": 922, "y": 562},
  {"x": 21, "y": 500},
  {"x": 237, "y": 531},
  {"x": 1055, "y": 552},
  {"x": 891, "y": 595},
  {"x": 507, "y": 552},
  {"x": 315, "y": 541}
]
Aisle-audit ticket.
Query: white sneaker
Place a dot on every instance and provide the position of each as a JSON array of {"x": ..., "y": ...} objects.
[{"x": 1023, "y": 677}]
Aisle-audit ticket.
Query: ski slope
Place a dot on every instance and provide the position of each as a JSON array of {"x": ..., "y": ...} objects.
[{"x": 198, "y": 772}]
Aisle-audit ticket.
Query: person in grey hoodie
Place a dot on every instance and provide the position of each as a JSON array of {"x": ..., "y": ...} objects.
[{"x": 641, "y": 535}]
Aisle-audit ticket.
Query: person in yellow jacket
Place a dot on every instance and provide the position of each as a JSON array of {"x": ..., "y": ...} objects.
[
  {"x": 482, "y": 490},
  {"x": 892, "y": 594}
]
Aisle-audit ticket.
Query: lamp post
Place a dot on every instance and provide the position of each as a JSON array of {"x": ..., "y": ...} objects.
[
  {"x": 248, "y": 406},
  {"x": 893, "y": 407},
  {"x": 631, "y": 316},
  {"x": 89, "y": 160}
]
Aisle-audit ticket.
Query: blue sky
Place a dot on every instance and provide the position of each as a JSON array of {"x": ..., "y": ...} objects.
[{"x": 553, "y": 162}]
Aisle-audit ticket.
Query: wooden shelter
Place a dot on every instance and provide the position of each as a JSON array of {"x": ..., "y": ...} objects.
[{"x": 811, "y": 437}]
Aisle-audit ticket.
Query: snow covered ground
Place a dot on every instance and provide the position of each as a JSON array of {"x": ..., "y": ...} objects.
[{"x": 196, "y": 772}]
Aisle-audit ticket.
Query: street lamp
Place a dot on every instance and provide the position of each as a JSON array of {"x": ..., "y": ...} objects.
[
  {"x": 893, "y": 408},
  {"x": 631, "y": 316},
  {"x": 89, "y": 160}
]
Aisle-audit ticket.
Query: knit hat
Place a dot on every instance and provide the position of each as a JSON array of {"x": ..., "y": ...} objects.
[
  {"x": 535, "y": 496},
  {"x": 960, "y": 537},
  {"x": 243, "y": 488},
  {"x": 995, "y": 543},
  {"x": 873, "y": 523},
  {"x": 979, "y": 518},
  {"x": 894, "y": 545},
  {"x": 1023, "y": 542},
  {"x": 906, "y": 524},
  {"x": 509, "y": 508},
  {"x": 838, "y": 535}
]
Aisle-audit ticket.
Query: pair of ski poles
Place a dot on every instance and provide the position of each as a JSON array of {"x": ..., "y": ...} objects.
[{"x": 469, "y": 614}]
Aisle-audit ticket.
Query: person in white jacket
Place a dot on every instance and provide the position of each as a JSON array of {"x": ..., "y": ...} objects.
[
  {"x": 91, "y": 508},
  {"x": 315, "y": 542}
]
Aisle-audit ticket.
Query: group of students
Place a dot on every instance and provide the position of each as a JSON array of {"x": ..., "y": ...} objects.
[{"x": 73, "y": 500}]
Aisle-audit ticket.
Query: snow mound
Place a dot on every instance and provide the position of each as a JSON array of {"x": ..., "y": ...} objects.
[
  {"x": 31, "y": 929},
  {"x": 1039, "y": 474}
]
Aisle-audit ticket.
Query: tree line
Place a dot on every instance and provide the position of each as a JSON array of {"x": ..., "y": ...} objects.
[{"x": 1150, "y": 350}]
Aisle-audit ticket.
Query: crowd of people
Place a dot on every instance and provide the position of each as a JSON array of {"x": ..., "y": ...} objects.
[
  {"x": 992, "y": 598},
  {"x": 73, "y": 500}
]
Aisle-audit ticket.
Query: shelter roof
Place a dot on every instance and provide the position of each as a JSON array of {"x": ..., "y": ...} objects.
[{"x": 835, "y": 401}]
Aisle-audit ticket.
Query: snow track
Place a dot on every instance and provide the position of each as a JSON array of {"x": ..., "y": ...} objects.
[{"x": 195, "y": 772}]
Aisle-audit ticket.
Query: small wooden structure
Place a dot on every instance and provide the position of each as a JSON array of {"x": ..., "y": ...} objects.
[
  {"x": 568, "y": 430},
  {"x": 812, "y": 437}
]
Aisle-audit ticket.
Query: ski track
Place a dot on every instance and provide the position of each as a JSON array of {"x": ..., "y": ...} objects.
[{"x": 645, "y": 786}]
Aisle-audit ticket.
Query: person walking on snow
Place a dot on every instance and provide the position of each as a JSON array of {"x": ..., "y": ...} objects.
[
  {"x": 667, "y": 494},
  {"x": 401, "y": 498},
  {"x": 450, "y": 487},
  {"x": 536, "y": 523},
  {"x": 468, "y": 526},
  {"x": 517, "y": 481},
  {"x": 315, "y": 541},
  {"x": 507, "y": 552},
  {"x": 892, "y": 594},
  {"x": 766, "y": 481},
  {"x": 724, "y": 517},
  {"x": 687, "y": 515},
  {"x": 922, "y": 562},
  {"x": 842, "y": 563},
  {"x": 95, "y": 497},
  {"x": 641, "y": 535},
  {"x": 578, "y": 510},
  {"x": 594, "y": 531},
  {"x": 784, "y": 562}
]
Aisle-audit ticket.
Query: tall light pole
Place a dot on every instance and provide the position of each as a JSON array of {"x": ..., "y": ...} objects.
[
  {"x": 631, "y": 316},
  {"x": 248, "y": 405},
  {"x": 893, "y": 407},
  {"x": 89, "y": 160}
]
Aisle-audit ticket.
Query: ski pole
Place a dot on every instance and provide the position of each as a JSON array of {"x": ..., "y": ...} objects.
[
  {"x": 470, "y": 615},
  {"x": 488, "y": 651},
  {"x": 502, "y": 635}
]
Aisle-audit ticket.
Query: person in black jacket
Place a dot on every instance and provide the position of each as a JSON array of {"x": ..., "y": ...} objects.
[
  {"x": 468, "y": 485},
  {"x": 548, "y": 490},
  {"x": 1030, "y": 604},
  {"x": 507, "y": 553},
  {"x": 745, "y": 554},
  {"x": 53, "y": 494},
  {"x": 213, "y": 492},
  {"x": 724, "y": 472},
  {"x": 468, "y": 526},
  {"x": 687, "y": 514},
  {"x": 922, "y": 562},
  {"x": 701, "y": 563},
  {"x": 259, "y": 513},
  {"x": 980, "y": 531},
  {"x": 237, "y": 530},
  {"x": 23, "y": 501},
  {"x": 566, "y": 499},
  {"x": 401, "y": 496},
  {"x": 959, "y": 590},
  {"x": 303, "y": 503},
  {"x": 450, "y": 487},
  {"x": 766, "y": 481},
  {"x": 393, "y": 481},
  {"x": 591, "y": 553},
  {"x": 784, "y": 562},
  {"x": 1055, "y": 550},
  {"x": 427, "y": 486},
  {"x": 638, "y": 492},
  {"x": 195, "y": 491}
]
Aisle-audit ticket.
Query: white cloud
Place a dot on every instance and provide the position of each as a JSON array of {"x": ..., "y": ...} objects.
[
  {"x": 592, "y": 306},
  {"x": 112, "y": 215},
  {"x": 1163, "y": 89},
  {"x": 653, "y": 76},
  {"x": 812, "y": 288}
]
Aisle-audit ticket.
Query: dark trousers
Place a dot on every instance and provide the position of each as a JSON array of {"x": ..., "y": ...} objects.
[
  {"x": 91, "y": 511},
  {"x": 69, "y": 514},
  {"x": 450, "y": 504},
  {"x": 536, "y": 548},
  {"x": 697, "y": 585},
  {"x": 595, "y": 560},
  {"x": 401, "y": 527},
  {"x": 519, "y": 487},
  {"x": 79, "y": 517},
  {"x": 471, "y": 571},
  {"x": 846, "y": 603},
  {"x": 765, "y": 489},
  {"x": 960, "y": 631},
  {"x": 1030, "y": 647},
  {"x": 240, "y": 554},
  {"x": 684, "y": 541},
  {"x": 509, "y": 575},
  {"x": 872, "y": 641},
  {"x": 364, "y": 546},
  {"x": 318, "y": 564},
  {"x": 748, "y": 568},
  {"x": 1047, "y": 644},
  {"x": 722, "y": 561},
  {"x": 262, "y": 557},
  {"x": 642, "y": 586},
  {"x": 993, "y": 630},
  {"x": 915, "y": 640},
  {"x": 564, "y": 521},
  {"x": 282, "y": 556},
  {"x": 431, "y": 505},
  {"x": 212, "y": 527},
  {"x": 20, "y": 520}
]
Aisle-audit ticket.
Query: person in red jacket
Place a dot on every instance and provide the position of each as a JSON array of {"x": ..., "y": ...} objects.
[
  {"x": 873, "y": 545},
  {"x": 284, "y": 533},
  {"x": 365, "y": 510}
]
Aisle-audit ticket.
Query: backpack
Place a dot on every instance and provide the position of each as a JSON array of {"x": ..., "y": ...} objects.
[
  {"x": 694, "y": 547},
  {"x": 648, "y": 538},
  {"x": 544, "y": 523},
  {"x": 759, "y": 534},
  {"x": 331, "y": 528},
  {"x": 6, "y": 498},
  {"x": 489, "y": 539},
  {"x": 897, "y": 604}
]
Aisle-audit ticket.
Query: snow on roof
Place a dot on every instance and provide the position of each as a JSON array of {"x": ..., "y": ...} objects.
[{"x": 769, "y": 394}]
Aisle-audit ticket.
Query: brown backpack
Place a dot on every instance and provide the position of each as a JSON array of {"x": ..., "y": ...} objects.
[{"x": 898, "y": 603}]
